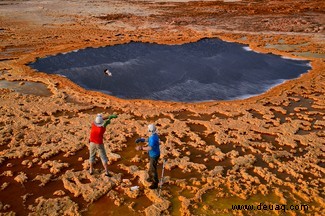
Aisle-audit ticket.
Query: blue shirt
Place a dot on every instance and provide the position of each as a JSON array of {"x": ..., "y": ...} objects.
[{"x": 153, "y": 142}]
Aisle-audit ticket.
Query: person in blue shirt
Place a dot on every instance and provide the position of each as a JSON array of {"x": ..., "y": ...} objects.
[{"x": 154, "y": 154}]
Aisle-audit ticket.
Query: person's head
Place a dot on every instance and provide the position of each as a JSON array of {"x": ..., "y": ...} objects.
[
  {"x": 99, "y": 120},
  {"x": 152, "y": 128}
]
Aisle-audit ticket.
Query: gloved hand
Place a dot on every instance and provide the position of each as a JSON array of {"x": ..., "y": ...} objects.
[
  {"x": 140, "y": 140},
  {"x": 112, "y": 116}
]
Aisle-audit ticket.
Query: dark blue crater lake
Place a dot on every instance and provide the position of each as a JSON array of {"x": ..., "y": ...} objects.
[{"x": 209, "y": 69}]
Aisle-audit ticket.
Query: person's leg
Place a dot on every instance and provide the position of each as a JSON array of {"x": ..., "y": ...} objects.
[
  {"x": 103, "y": 157},
  {"x": 92, "y": 154},
  {"x": 150, "y": 173},
  {"x": 153, "y": 173}
]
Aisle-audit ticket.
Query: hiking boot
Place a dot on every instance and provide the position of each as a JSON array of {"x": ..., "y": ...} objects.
[
  {"x": 154, "y": 186},
  {"x": 108, "y": 175}
]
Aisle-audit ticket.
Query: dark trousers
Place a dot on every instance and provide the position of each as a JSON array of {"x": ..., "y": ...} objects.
[{"x": 153, "y": 174}]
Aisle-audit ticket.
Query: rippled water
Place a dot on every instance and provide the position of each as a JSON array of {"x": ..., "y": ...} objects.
[{"x": 209, "y": 69}]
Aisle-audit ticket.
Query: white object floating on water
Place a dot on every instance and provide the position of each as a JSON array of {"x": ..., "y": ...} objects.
[
  {"x": 61, "y": 75},
  {"x": 247, "y": 48},
  {"x": 134, "y": 188},
  {"x": 107, "y": 72}
]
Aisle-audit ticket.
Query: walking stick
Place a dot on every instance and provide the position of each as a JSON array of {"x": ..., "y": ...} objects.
[{"x": 162, "y": 176}]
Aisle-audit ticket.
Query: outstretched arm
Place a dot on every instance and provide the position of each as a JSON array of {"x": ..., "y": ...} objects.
[
  {"x": 140, "y": 147},
  {"x": 108, "y": 119},
  {"x": 144, "y": 148},
  {"x": 140, "y": 140},
  {"x": 112, "y": 116}
]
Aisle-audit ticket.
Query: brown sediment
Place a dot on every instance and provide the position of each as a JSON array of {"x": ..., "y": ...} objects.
[{"x": 268, "y": 148}]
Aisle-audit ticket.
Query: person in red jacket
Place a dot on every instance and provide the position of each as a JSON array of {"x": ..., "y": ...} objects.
[{"x": 98, "y": 129}]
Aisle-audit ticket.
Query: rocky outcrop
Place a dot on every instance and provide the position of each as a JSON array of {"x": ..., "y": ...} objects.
[
  {"x": 56, "y": 206},
  {"x": 94, "y": 188}
]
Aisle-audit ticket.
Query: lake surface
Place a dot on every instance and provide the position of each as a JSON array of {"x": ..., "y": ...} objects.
[{"x": 209, "y": 69}]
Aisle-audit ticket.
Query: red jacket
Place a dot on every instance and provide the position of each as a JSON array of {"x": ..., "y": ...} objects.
[{"x": 97, "y": 133}]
